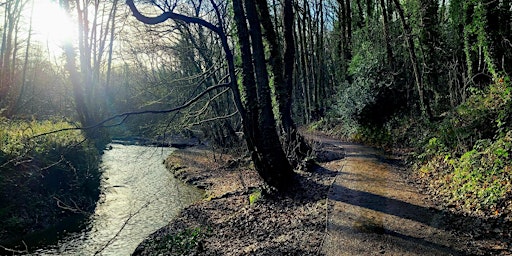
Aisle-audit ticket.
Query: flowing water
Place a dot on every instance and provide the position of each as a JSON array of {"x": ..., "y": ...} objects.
[{"x": 138, "y": 196}]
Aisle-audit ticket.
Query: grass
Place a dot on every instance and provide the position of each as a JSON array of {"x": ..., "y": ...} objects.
[
  {"x": 17, "y": 137},
  {"x": 36, "y": 170}
]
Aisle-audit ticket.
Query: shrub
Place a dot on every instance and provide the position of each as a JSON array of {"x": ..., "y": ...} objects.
[{"x": 469, "y": 159}]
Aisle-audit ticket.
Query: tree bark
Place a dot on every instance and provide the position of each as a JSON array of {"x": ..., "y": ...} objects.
[
  {"x": 296, "y": 147},
  {"x": 385, "y": 29},
  {"x": 274, "y": 164},
  {"x": 17, "y": 103},
  {"x": 430, "y": 41},
  {"x": 85, "y": 78},
  {"x": 8, "y": 88}
]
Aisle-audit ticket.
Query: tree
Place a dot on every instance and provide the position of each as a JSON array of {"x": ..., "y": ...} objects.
[
  {"x": 424, "y": 104},
  {"x": 259, "y": 125},
  {"x": 9, "y": 84},
  {"x": 282, "y": 67},
  {"x": 86, "y": 78}
]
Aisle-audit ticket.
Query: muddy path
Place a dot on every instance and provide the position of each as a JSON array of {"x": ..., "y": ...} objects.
[
  {"x": 374, "y": 210},
  {"x": 373, "y": 207}
]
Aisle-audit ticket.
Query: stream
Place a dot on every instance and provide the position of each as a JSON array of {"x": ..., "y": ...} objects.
[{"x": 138, "y": 196}]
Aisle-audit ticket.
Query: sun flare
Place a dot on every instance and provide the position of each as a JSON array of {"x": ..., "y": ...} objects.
[{"x": 52, "y": 26}]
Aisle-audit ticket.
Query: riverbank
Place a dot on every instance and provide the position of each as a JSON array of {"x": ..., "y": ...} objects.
[
  {"x": 234, "y": 218},
  {"x": 47, "y": 184}
]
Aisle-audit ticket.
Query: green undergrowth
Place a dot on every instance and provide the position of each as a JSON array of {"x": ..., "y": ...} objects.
[
  {"x": 465, "y": 155},
  {"x": 44, "y": 179},
  {"x": 255, "y": 196},
  {"x": 468, "y": 157},
  {"x": 185, "y": 242}
]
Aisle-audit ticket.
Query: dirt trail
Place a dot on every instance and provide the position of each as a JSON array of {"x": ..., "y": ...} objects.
[{"x": 374, "y": 211}]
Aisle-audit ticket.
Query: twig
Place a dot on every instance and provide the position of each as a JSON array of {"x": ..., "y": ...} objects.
[
  {"x": 121, "y": 229},
  {"x": 213, "y": 119},
  {"x": 65, "y": 206},
  {"x": 128, "y": 114},
  {"x": 16, "y": 251}
]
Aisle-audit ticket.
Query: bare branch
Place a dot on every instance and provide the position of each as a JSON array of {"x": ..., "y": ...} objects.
[
  {"x": 122, "y": 227},
  {"x": 170, "y": 15},
  {"x": 68, "y": 207},
  {"x": 128, "y": 114},
  {"x": 214, "y": 119},
  {"x": 15, "y": 251},
  {"x": 205, "y": 107}
]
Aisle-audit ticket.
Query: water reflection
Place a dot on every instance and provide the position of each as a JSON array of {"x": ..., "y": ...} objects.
[{"x": 138, "y": 196}]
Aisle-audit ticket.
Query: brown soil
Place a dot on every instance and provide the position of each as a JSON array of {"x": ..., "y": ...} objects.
[
  {"x": 292, "y": 223},
  {"x": 357, "y": 202}
]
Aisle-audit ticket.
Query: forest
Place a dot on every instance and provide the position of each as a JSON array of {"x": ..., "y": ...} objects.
[{"x": 427, "y": 80}]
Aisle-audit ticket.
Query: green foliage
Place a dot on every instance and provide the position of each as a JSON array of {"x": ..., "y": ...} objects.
[
  {"x": 478, "y": 180},
  {"x": 373, "y": 135},
  {"x": 482, "y": 176},
  {"x": 183, "y": 243},
  {"x": 477, "y": 28},
  {"x": 254, "y": 196},
  {"x": 478, "y": 118},
  {"x": 470, "y": 156},
  {"x": 355, "y": 96}
]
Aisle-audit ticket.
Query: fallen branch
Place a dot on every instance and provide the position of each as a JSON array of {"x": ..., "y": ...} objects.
[{"x": 15, "y": 251}]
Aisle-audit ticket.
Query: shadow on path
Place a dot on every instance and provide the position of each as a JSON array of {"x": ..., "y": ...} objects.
[
  {"x": 374, "y": 211},
  {"x": 385, "y": 205}
]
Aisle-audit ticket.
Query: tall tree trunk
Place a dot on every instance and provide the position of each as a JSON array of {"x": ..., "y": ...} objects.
[
  {"x": 423, "y": 103},
  {"x": 304, "y": 60},
  {"x": 429, "y": 36},
  {"x": 249, "y": 84},
  {"x": 296, "y": 142},
  {"x": 296, "y": 147},
  {"x": 111, "y": 45},
  {"x": 85, "y": 78},
  {"x": 9, "y": 88},
  {"x": 348, "y": 33},
  {"x": 269, "y": 147},
  {"x": 312, "y": 61},
  {"x": 282, "y": 92},
  {"x": 385, "y": 29},
  {"x": 360, "y": 19},
  {"x": 369, "y": 9},
  {"x": 19, "y": 99},
  {"x": 320, "y": 67}
]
